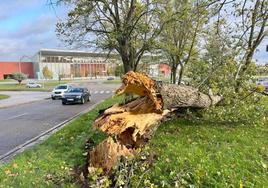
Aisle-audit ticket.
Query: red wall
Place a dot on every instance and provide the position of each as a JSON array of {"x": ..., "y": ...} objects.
[
  {"x": 164, "y": 68},
  {"x": 11, "y": 67}
]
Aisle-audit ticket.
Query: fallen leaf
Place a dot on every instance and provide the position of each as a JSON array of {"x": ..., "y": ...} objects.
[{"x": 15, "y": 165}]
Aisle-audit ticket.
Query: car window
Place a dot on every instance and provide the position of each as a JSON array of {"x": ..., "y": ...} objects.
[
  {"x": 61, "y": 87},
  {"x": 75, "y": 90}
]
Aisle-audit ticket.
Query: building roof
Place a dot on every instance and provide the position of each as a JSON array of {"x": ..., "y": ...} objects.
[{"x": 57, "y": 52}]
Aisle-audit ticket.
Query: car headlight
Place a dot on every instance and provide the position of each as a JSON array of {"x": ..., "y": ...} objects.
[{"x": 78, "y": 97}]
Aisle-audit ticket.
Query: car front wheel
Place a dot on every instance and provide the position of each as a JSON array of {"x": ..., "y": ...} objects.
[
  {"x": 82, "y": 100},
  {"x": 63, "y": 103}
]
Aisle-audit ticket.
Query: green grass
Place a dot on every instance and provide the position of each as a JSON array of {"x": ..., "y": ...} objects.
[
  {"x": 209, "y": 155},
  {"x": 187, "y": 155},
  {"x": 48, "y": 86},
  {"x": 2, "y": 96},
  {"x": 7, "y": 80},
  {"x": 51, "y": 163}
]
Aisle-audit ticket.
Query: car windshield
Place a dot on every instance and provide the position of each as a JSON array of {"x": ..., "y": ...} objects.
[
  {"x": 61, "y": 87},
  {"x": 76, "y": 90}
]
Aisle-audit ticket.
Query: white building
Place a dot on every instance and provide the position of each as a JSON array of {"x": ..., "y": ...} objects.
[{"x": 72, "y": 64}]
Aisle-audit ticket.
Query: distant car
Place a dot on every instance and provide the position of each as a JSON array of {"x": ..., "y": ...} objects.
[
  {"x": 76, "y": 95},
  {"x": 59, "y": 91},
  {"x": 33, "y": 85},
  {"x": 110, "y": 78}
]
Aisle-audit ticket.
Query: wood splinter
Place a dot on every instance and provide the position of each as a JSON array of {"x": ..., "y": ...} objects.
[{"x": 130, "y": 125}]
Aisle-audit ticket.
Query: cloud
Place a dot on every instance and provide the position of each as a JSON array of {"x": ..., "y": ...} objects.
[
  {"x": 31, "y": 33},
  {"x": 42, "y": 24}
]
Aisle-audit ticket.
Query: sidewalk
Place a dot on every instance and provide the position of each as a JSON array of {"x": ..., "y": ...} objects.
[{"x": 22, "y": 97}]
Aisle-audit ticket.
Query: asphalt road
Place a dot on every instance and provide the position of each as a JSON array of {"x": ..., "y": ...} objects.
[{"x": 18, "y": 124}]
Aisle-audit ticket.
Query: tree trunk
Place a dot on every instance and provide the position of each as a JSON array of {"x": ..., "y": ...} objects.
[
  {"x": 173, "y": 73},
  {"x": 129, "y": 126},
  {"x": 180, "y": 74}
]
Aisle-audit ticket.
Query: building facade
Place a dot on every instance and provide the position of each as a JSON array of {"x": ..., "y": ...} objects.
[
  {"x": 8, "y": 68},
  {"x": 159, "y": 69},
  {"x": 72, "y": 64}
]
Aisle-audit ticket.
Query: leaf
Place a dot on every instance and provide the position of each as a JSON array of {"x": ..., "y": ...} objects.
[
  {"x": 7, "y": 172},
  {"x": 15, "y": 165},
  {"x": 263, "y": 165}
]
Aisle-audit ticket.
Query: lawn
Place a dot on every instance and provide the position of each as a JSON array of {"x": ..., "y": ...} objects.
[
  {"x": 48, "y": 86},
  {"x": 2, "y": 96},
  {"x": 186, "y": 154},
  {"x": 7, "y": 80}
]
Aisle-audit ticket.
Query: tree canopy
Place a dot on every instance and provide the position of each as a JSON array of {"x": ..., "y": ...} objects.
[{"x": 125, "y": 26}]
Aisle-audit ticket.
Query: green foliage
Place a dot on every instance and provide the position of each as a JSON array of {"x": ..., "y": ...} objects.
[
  {"x": 18, "y": 76},
  {"x": 119, "y": 70},
  {"x": 121, "y": 26},
  {"x": 47, "y": 73},
  {"x": 181, "y": 33}
]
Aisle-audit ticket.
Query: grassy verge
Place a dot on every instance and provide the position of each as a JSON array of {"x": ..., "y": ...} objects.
[
  {"x": 208, "y": 155},
  {"x": 48, "y": 86},
  {"x": 4, "y": 96},
  {"x": 7, "y": 80},
  {"x": 51, "y": 163},
  {"x": 186, "y": 155}
]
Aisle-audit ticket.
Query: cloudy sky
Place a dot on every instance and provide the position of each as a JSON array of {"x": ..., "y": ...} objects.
[{"x": 28, "y": 25}]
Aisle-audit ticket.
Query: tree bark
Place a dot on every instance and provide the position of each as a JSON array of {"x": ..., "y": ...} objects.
[{"x": 129, "y": 126}]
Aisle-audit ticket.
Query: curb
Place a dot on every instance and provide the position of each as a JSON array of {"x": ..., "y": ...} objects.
[{"x": 42, "y": 136}]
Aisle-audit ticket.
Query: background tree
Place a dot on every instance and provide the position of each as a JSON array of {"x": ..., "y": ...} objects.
[
  {"x": 179, "y": 37},
  {"x": 18, "y": 76},
  {"x": 126, "y": 26},
  {"x": 47, "y": 73},
  {"x": 248, "y": 22}
]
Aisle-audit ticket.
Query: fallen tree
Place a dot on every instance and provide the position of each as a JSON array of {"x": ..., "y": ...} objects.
[{"x": 129, "y": 126}]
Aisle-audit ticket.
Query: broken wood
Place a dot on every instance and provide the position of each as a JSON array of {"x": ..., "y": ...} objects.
[{"x": 129, "y": 126}]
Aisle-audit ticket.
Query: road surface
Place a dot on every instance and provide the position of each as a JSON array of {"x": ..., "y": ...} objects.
[{"x": 18, "y": 124}]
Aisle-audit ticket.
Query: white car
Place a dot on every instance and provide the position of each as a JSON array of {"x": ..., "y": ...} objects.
[
  {"x": 59, "y": 91},
  {"x": 33, "y": 85}
]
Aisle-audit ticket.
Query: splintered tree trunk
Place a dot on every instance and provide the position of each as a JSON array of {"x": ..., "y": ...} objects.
[{"x": 129, "y": 126}]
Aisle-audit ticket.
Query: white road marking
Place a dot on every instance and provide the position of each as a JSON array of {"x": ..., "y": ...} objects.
[
  {"x": 14, "y": 117},
  {"x": 107, "y": 92},
  {"x": 101, "y": 92},
  {"x": 96, "y": 92}
]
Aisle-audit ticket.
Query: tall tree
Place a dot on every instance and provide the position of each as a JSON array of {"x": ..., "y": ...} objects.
[
  {"x": 126, "y": 26},
  {"x": 249, "y": 23},
  {"x": 179, "y": 37}
]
